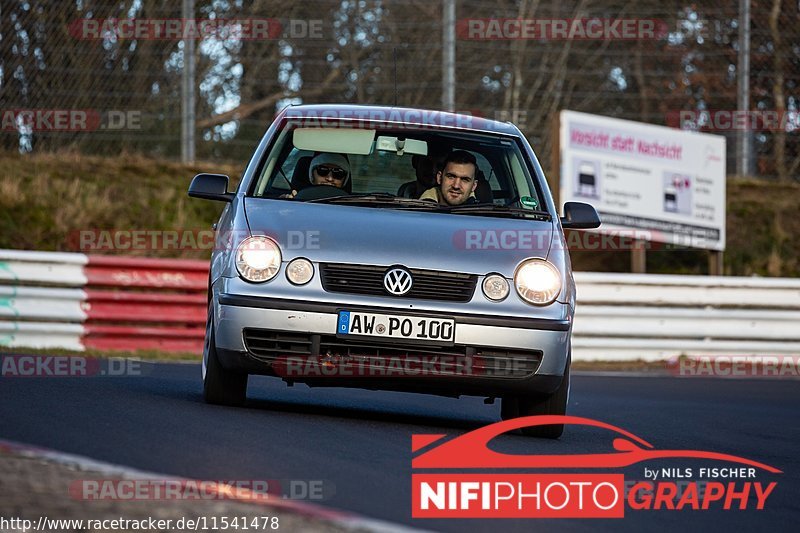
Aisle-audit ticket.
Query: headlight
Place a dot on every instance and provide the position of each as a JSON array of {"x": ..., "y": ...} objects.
[
  {"x": 299, "y": 271},
  {"x": 495, "y": 287},
  {"x": 537, "y": 282},
  {"x": 258, "y": 259}
]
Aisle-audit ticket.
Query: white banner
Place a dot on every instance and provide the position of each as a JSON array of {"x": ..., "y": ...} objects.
[{"x": 667, "y": 182}]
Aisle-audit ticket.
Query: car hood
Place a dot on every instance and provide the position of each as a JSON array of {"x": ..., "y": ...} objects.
[{"x": 383, "y": 236}]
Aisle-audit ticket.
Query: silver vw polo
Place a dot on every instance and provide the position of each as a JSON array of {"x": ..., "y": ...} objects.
[{"x": 392, "y": 249}]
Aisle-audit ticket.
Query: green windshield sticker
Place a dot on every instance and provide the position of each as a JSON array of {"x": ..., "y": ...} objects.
[{"x": 529, "y": 201}]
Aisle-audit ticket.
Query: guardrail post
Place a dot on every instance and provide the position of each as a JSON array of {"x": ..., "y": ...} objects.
[
  {"x": 715, "y": 263},
  {"x": 639, "y": 257}
]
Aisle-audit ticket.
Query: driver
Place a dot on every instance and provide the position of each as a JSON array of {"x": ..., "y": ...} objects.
[{"x": 456, "y": 181}]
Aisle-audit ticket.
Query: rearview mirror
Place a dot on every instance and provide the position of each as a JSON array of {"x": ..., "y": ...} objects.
[
  {"x": 210, "y": 187},
  {"x": 578, "y": 215},
  {"x": 401, "y": 145}
]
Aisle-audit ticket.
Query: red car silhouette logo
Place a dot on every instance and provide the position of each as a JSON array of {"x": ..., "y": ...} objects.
[{"x": 471, "y": 451}]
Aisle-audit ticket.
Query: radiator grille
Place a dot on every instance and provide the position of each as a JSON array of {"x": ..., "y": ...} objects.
[{"x": 368, "y": 280}]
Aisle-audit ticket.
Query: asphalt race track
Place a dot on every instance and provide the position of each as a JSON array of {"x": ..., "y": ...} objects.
[{"x": 358, "y": 442}]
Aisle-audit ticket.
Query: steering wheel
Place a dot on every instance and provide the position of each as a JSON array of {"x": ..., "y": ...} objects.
[{"x": 318, "y": 192}]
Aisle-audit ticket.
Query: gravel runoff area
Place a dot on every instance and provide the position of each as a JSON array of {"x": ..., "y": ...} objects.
[{"x": 43, "y": 487}]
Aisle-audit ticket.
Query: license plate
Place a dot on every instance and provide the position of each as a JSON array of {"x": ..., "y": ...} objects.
[{"x": 418, "y": 328}]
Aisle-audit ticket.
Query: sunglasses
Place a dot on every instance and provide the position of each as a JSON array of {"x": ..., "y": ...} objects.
[{"x": 338, "y": 173}]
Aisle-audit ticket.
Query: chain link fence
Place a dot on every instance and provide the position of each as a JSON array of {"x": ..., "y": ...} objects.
[{"x": 102, "y": 77}]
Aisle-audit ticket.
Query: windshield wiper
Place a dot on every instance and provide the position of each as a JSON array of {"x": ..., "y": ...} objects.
[
  {"x": 375, "y": 198},
  {"x": 497, "y": 210}
]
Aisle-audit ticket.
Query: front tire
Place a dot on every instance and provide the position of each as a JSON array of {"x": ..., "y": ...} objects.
[
  {"x": 552, "y": 404},
  {"x": 220, "y": 386}
]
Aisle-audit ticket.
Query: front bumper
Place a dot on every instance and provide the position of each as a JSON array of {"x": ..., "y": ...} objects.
[{"x": 524, "y": 355}]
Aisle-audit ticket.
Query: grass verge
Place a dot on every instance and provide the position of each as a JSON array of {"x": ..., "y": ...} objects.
[{"x": 47, "y": 199}]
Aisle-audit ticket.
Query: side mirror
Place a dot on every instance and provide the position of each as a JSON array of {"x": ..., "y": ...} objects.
[
  {"x": 578, "y": 215},
  {"x": 210, "y": 187}
]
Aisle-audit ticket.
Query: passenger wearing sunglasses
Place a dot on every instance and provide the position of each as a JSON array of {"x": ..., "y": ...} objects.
[{"x": 329, "y": 169}]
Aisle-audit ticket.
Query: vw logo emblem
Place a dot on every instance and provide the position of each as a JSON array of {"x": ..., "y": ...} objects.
[{"x": 398, "y": 281}]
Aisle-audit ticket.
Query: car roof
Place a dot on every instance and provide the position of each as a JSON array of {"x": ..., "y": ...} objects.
[{"x": 429, "y": 119}]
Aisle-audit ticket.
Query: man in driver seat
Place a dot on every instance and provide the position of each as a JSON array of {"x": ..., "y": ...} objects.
[{"x": 457, "y": 181}]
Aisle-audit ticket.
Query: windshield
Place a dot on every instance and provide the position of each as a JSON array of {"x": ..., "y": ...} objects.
[{"x": 442, "y": 171}]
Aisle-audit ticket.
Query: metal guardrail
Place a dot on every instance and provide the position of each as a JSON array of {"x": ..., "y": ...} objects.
[
  {"x": 655, "y": 317},
  {"x": 74, "y": 301}
]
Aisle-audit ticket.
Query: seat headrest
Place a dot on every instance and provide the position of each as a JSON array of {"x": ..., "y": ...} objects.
[
  {"x": 483, "y": 191},
  {"x": 300, "y": 174}
]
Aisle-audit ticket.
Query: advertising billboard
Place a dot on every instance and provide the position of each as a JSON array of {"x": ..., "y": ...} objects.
[{"x": 667, "y": 185}]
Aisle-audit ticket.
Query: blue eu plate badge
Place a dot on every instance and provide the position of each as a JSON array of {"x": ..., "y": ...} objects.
[{"x": 344, "y": 322}]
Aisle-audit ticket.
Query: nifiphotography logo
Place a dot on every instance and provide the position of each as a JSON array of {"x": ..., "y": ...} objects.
[{"x": 590, "y": 489}]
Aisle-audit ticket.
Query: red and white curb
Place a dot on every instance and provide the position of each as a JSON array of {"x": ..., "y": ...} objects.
[{"x": 75, "y": 301}]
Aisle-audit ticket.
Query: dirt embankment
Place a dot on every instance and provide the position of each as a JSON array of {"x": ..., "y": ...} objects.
[{"x": 47, "y": 200}]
